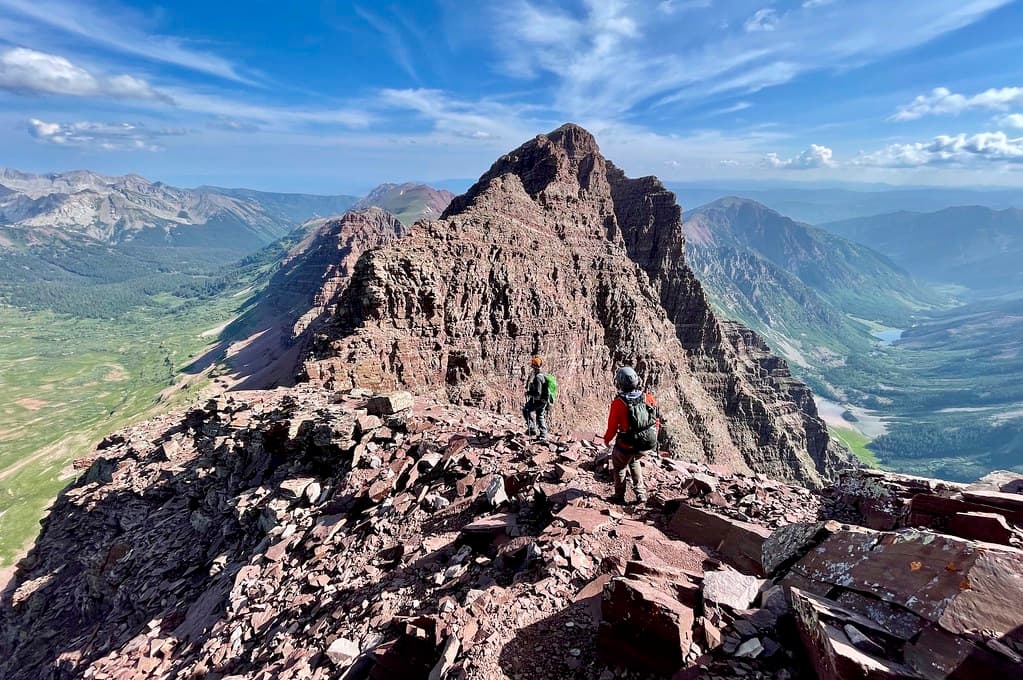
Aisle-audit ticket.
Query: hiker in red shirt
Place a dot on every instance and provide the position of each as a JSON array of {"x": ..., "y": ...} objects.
[{"x": 632, "y": 423}]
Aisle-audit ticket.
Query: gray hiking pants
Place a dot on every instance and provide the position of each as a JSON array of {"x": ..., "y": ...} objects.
[
  {"x": 627, "y": 463},
  {"x": 535, "y": 408}
]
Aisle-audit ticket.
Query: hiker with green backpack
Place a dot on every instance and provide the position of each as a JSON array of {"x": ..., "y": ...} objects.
[
  {"x": 541, "y": 392},
  {"x": 632, "y": 423}
]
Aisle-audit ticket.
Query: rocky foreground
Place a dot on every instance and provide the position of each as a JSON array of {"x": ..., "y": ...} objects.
[{"x": 303, "y": 533}]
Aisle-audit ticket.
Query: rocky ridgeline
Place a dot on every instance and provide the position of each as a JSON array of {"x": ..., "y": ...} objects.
[
  {"x": 555, "y": 252},
  {"x": 300, "y": 533},
  {"x": 273, "y": 336}
]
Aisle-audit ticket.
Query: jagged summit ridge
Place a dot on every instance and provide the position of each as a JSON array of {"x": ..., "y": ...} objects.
[
  {"x": 570, "y": 151},
  {"x": 555, "y": 251}
]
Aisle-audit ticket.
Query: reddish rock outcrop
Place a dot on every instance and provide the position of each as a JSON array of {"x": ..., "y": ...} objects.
[
  {"x": 554, "y": 252},
  {"x": 269, "y": 342}
]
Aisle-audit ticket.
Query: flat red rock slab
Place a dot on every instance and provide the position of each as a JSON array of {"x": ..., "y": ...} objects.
[
  {"x": 587, "y": 519},
  {"x": 961, "y": 585}
]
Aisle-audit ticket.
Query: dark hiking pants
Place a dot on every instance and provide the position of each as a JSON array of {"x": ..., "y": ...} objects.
[
  {"x": 626, "y": 463},
  {"x": 535, "y": 409}
]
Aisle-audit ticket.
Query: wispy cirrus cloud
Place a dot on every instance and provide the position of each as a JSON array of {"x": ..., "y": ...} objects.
[
  {"x": 467, "y": 119},
  {"x": 228, "y": 124},
  {"x": 942, "y": 101},
  {"x": 762, "y": 20},
  {"x": 102, "y": 136},
  {"x": 734, "y": 108},
  {"x": 220, "y": 107},
  {"x": 675, "y": 6},
  {"x": 32, "y": 72},
  {"x": 611, "y": 58},
  {"x": 115, "y": 28},
  {"x": 395, "y": 40}
]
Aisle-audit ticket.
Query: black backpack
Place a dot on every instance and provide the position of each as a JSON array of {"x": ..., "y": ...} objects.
[{"x": 642, "y": 432}]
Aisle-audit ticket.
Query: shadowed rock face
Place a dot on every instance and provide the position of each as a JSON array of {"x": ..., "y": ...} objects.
[
  {"x": 267, "y": 343},
  {"x": 555, "y": 252},
  {"x": 321, "y": 265}
]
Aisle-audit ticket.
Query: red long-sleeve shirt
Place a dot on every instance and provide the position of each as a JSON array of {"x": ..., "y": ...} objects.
[{"x": 618, "y": 417}]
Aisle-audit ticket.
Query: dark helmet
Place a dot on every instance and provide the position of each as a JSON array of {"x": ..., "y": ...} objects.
[{"x": 626, "y": 379}]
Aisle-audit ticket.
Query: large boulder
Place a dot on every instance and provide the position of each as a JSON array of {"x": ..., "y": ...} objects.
[
  {"x": 644, "y": 627},
  {"x": 740, "y": 544},
  {"x": 941, "y": 606}
]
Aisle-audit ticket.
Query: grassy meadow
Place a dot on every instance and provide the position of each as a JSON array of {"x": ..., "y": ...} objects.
[{"x": 67, "y": 382}]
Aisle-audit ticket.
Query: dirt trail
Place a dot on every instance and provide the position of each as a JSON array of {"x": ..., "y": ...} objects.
[{"x": 61, "y": 448}]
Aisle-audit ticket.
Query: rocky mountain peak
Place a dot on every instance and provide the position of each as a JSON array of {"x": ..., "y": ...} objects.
[
  {"x": 565, "y": 162},
  {"x": 408, "y": 202},
  {"x": 555, "y": 251}
]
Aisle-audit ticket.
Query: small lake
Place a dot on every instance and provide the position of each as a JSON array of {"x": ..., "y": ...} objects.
[{"x": 889, "y": 335}]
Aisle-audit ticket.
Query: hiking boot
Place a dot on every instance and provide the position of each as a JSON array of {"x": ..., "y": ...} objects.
[
  {"x": 531, "y": 432},
  {"x": 542, "y": 436},
  {"x": 618, "y": 499}
]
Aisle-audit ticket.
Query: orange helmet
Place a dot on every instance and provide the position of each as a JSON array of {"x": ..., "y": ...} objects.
[{"x": 537, "y": 361}]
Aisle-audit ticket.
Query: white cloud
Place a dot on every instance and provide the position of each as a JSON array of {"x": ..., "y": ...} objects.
[
  {"x": 479, "y": 120},
  {"x": 229, "y": 124},
  {"x": 593, "y": 56},
  {"x": 1013, "y": 120},
  {"x": 955, "y": 150},
  {"x": 942, "y": 101},
  {"x": 250, "y": 113},
  {"x": 105, "y": 136},
  {"x": 734, "y": 108},
  {"x": 29, "y": 71},
  {"x": 674, "y": 6},
  {"x": 394, "y": 38},
  {"x": 115, "y": 28},
  {"x": 610, "y": 58},
  {"x": 815, "y": 157},
  {"x": 762, "y": 20}
]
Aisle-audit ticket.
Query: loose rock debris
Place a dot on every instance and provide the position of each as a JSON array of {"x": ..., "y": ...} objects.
[{"x": 292, "y": 534}]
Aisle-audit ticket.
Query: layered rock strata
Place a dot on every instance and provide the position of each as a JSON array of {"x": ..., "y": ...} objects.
[
  {"x": 555, "y": 252},
  {"x": 271, "y": 339}
]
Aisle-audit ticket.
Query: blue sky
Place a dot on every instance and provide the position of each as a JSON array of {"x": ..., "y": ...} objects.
[{"x": 335, "y": 97}]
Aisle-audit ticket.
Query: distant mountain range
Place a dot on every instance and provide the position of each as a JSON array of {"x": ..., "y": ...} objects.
[
  {"x": 816, "y": 204},
  {"x": 82, "y": 242},
  {"x": 971, "y": 246},
  {"x": 86, "y": 206},
  {"x": 946, "y": 398},
  {"x": 408, "y": 202},
  {"x": 797, "y": 285}
]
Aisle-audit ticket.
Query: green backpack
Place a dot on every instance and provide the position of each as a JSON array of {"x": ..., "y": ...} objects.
[{"x": 552, "y": 387}]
